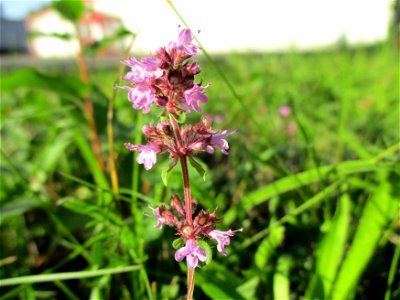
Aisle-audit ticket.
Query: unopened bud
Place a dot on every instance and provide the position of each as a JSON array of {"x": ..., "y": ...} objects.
[{"x": 177, "y": 205}]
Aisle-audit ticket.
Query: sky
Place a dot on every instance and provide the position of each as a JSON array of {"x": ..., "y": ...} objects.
[{"x": 19, "y": 9}]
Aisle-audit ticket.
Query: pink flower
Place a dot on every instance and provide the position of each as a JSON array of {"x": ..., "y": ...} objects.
[
  {"x": 193, "y": 97},
  {"x": 218, "y": 141},
  {"x": 223, "y": 238},
  {"x": 184, "y": 42},
  {"x": 145, "y": 71},
  {"x": 141, "y": 96},
  {"x": 147, "y": 155},
  {"x": 164, "y": 216},
  {"x": 160, "y": 219},
  {"x": 285, "y": 111},
  {"x": 192, "y": 252}
]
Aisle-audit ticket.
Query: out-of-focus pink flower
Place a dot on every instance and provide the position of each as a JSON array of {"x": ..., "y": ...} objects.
[
  {"x": 147, "y": 155},
  {"x": 193, "y": 97},
  {"x": 192, "y": 252},
  {"x": 291, "y": 128},
  {"x": 285, "y": 111},
  {"x": 184, "y": 42},
  {"x": 223, "y": 238}
]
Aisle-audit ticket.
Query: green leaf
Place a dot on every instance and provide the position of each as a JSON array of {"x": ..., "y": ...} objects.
[
  {"x": 107, "y": 41},
  {"x": 70, "y": 10},
  {"x": 330, "y": 252},
  {"x": 281, "y": 279},
  {"x": 218, "y": 282},
  {"x": 87, "y": 153},
  {"x": 268, "y": 246},
  {"x": 17, "y": 207},
  {"x": 248, "y": 289},
  {"x": 200, "y": 170},
  {"x": 178, "y": 243},
  {"x": 166, "y": 173},
  {"x": 377, "y": 213},
  {"x": 295, "y": 181},
  {"x": 206, "y": 247},
  {"x": 30, "y": 78}
]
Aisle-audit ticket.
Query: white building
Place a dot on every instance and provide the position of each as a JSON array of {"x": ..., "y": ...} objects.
[{"x": 94, "y": 26}]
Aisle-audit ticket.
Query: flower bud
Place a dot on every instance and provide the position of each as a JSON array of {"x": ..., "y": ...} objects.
[{"x": 177, "y": 205}]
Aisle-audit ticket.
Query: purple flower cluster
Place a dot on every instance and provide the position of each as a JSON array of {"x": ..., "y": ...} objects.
[
  {"x": 166, "y": 80},
  {"x": 203, "y": 225},
  {"x": 161, "y": 138}
]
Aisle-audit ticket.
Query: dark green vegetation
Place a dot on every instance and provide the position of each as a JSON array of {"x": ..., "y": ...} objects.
[{"x": 319, "y": 207}]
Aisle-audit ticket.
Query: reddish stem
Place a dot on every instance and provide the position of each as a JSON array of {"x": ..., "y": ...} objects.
[
  {"x": 186, "y": 185},
  {"x": 185, "y": 171},
  {"x": 188, "y": 198}
]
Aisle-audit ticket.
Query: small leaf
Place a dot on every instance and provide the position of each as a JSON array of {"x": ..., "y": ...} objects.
[
  {"x": 165, "y": 174},
  {"x": 181, "y": 118},
  {"x": 70, "y": 10},
  {"x": 62, "y": 36},
  {"x": 195, "y": 164},
  {"x": 206, "y": 247},
  {"x": 108, "y": 41},
  {"x": 281, "y": 279},
  {"x": 178, "y": 243}
]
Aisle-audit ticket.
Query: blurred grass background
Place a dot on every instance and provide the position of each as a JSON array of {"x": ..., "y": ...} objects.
[{"x": 317, "y": 193}]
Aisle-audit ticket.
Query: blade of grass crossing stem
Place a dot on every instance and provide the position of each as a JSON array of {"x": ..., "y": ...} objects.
[
  {"x": 330, "y": 252},
  {"x": 392, "y": 273},
  {"x": 281, "y": 281},
  {"x": 379, "y": 210},
  {"x": 68, "y": 275}
]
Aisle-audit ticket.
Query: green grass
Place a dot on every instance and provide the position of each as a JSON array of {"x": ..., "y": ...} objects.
[{"x": 319, "y": 207}]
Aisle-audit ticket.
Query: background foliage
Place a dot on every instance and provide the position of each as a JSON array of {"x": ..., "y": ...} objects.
[{"x": 319, "y": 206}]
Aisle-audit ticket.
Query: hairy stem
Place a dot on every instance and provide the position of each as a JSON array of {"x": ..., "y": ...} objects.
[
  {"x": 185, "y": 171},
  {"x": 186, "y": 184},
  {"x": 188, "y": 198}
]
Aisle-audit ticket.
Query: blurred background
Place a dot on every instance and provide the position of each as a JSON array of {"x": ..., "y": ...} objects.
[
  {"x": 312, "y": 176},
  {"x": 225, "y": 26}
]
